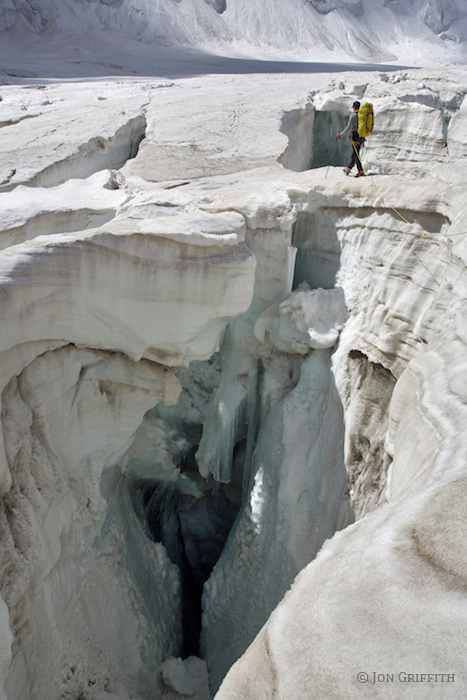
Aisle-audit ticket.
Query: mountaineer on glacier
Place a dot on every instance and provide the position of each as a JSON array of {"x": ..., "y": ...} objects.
[{"x": 357, "y": 141}]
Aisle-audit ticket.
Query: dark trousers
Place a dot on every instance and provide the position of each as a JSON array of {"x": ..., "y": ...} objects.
[{"x": 355, "y": 159}]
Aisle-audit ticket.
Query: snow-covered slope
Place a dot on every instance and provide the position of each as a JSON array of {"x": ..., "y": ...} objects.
[{"x": 412, "y": 32}]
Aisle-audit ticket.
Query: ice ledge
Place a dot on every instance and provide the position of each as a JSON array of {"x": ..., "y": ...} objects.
[{"x": 168, "y": 292}]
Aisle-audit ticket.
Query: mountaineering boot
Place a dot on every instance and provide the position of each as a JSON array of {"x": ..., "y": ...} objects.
[
  {"x": 347, "y": 171},
  {"x": 360, "y": 173}
]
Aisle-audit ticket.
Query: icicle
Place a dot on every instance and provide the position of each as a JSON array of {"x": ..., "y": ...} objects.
[
  {"x": 233, "y": 413},
  {"x": 214, "y": 455},
  {"x": 252, "y": 423}
]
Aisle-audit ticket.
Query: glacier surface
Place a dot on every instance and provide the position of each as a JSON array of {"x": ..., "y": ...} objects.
[{"x": 207, "y": 328}]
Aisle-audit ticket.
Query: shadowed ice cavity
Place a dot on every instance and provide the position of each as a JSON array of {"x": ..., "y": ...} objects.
[
  {"x": 194, "y": 530},
  {"x": 246, "y": 471},
  {"x": 313, "y": 141},
  {"x": 327, "y": 148},
  {"x": 190, "y": 515},
  {"x": 318, "y": 249},
  {"x": 191, "y": 463}
]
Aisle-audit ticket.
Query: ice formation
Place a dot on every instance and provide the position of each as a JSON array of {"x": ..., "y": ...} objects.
[{"x": 216, "y": 352}]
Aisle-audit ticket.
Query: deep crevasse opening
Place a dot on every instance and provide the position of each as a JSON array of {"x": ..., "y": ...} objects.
[
  {"x": 243, "y": 480},
  {"x": 189, "y": 514}
]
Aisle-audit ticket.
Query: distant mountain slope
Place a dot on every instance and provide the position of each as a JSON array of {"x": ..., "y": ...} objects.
[{"x": 412, "y": 31}]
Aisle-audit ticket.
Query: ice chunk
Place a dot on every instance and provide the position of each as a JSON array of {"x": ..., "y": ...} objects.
[
  {"x": 177, "y": 677},
  {"x": 188, "y": 677},
  {"x": 293, "y": 506},
  {"x": 199, "y": 673},
  {"x": 306, "y": 319}
]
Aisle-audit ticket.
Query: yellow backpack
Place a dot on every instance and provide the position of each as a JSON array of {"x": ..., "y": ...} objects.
[{"x": 365, "y": 119}]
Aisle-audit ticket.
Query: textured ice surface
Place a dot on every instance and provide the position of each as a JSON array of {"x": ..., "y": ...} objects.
[
  {"x": 306, "y": 319},
  {"x": 104, "y": 319},
  {"x": 294, "y": 505},
  {"x": 394, "y": 368}
]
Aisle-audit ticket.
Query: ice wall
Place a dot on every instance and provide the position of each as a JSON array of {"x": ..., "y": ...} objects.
[
  {"x": 64, "y": 517},
  {"x": 298, "y": 480},
  {"x": 404, "y": 449}
]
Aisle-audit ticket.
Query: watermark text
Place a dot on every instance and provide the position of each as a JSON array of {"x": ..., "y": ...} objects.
[{"x": 375, "y": 678}]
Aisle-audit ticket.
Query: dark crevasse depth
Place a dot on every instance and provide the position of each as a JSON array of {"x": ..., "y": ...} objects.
[{"x": 190, "y": 515}]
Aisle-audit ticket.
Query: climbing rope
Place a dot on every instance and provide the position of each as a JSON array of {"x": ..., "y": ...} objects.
[{"x": 417, "y": 228}]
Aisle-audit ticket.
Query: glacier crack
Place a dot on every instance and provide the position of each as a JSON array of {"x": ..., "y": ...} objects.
[{"x": 97, "y": 154}]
